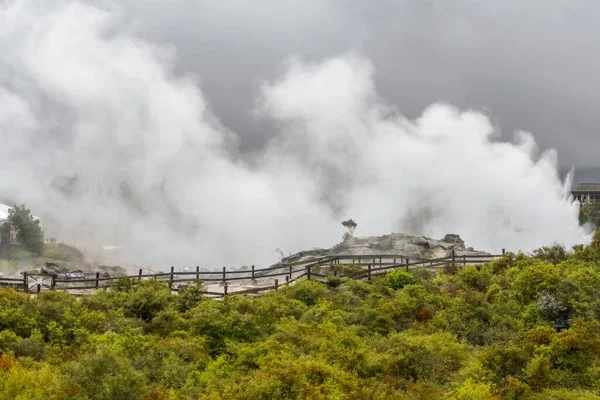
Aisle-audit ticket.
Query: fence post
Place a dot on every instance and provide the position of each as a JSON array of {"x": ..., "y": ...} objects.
[
  {"x": 369, "y": 273},
  {"x": 171, "y": 277},
  {"x": 52, "y": 281},
  {"x": 140, "y": 275},
  {"x": 253, "y": 272},
  {"x": 394, "y": 260},
  {"x": 276, "y": 284},
  {"x": 503, "y": 251},
  {"x": 380, "y": 262},
  {"x": 97, "y": 279},
  {"x": 308, "y": 272},
  {"x": 25, "y": 286},
  {"x": 291, "y": 271},
  {"x": 197, "y": 272},
  {"x": 407, "y": 265},
  {"x": 224, "y": 274},
  {"x": 287, "y": 280},
  {"x": 225, "y": 288},
  {"x": 39, "y": 287}
]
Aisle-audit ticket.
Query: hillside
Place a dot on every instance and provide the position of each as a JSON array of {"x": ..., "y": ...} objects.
[
  {"x": 14, "y": 260},
  {"x": 520, "y": 327}
]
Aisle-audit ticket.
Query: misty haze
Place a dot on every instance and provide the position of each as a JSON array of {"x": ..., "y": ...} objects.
[{"x": 125, "y": 132}]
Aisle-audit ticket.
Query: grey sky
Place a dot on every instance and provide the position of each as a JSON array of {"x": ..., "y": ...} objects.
[{"x": 533, "y": 63}]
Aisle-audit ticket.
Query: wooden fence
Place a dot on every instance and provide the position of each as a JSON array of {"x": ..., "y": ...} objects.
[{"x": 251, "y": 280}]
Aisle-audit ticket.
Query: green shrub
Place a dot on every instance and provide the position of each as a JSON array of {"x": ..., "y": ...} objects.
[
  {"x": 398, "y": 279},
  {"x": 520, "y": 327},
  {"x": 334, "y": 281},
  {"x": 147, "y": 299}
]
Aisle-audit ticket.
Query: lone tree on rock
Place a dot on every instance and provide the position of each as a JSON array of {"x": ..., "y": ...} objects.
[
  {"x": 351, "y": 226},
  {"x": 29, "y": 232}
]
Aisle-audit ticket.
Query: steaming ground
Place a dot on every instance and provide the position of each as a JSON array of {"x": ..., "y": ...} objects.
[{"x": 101, "y": 138}]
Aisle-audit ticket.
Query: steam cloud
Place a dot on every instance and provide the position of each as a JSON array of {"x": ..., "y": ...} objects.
[{"x": 105, "y": 141}]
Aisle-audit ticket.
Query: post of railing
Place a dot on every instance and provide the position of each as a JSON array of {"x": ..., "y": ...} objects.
[
  {"x": 394, "y": 260},
  {"x": 407, "y": 262},
  {"x": 224, "y": 274},
  {"x": 503, "y": 251},
  {"x": 291, "y": 270},
  {"x": 39, "y": 287},
  {"x": 287, "y": 280},
  {"x": 197, "y": 272},
  {"x": 140, "y": 275},
  {"x": 380, "y": 262},
  {"x": 25, "y": 286},
  {"x": 308, "y": 272},
  {"x": 253, "y": 272},
  {"x": 464, "y": 260},
  {"x": 369, "y": 273},
  {"x": 225, "y": 287},
  {"x": 171, "y": 277},
  {"x": 276, "y": 284},
  {"x": 97, "y": 279}
]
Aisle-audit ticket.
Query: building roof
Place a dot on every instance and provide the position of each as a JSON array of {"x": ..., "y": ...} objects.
[
  {"x": 588, "y": 187},
  {"x": 4, "y": 212},
  {"x": 4, "y": 209}
]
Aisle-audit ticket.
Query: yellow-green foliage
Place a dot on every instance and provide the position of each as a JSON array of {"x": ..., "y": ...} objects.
[{"x": 522, "y": 327}]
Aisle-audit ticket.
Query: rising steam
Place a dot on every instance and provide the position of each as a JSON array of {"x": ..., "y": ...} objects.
[{"x": 101, "y": 138}]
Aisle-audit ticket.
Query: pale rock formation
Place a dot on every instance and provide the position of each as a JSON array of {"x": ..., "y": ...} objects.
[{"x": 399, "y": 244}]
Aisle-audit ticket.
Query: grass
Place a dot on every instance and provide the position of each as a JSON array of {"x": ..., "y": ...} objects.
[
  {"x": 62, "y": 252},
  {"x": 15, "y": 259}
]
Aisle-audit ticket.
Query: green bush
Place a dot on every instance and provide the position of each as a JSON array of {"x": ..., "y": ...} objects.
[
  {"x": 398, "y": 279},
  {"x": 147, "y": 299},
  {"x": 520, "y": 327}
]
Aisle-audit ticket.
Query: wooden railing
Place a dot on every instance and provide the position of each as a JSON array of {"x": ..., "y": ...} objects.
[{"x": 251, "y": 280}]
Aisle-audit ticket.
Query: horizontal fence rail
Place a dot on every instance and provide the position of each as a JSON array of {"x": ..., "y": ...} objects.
[{"x": 252, "y": 280}]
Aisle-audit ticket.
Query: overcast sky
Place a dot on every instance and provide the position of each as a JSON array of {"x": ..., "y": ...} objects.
[{"x": 532, "y": 63}]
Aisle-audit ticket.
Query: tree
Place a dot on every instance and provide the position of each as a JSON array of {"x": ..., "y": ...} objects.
[
  {"x": 280, "y": 254},
  {"x": 590, "y": 213},
  {"x": 351, "y": 226},
  {"x": 29, "y": 232}
]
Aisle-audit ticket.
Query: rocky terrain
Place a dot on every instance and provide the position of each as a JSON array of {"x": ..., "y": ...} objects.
[{"x": 400, "y": 244}]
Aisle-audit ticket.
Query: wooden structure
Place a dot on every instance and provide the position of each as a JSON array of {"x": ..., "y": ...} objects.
[{"x": 251, "y": 280}]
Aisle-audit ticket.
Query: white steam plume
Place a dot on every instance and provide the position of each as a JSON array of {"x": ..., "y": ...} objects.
[{"x": 100, "y": 136}]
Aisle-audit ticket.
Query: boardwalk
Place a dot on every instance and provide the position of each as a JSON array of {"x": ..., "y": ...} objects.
[{"x": 250, "y": 280}]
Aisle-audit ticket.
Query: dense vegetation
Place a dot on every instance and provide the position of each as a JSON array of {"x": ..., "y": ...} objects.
[{"x": 521, "y": 327}]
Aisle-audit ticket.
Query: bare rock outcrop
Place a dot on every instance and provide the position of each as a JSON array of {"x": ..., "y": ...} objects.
[{"x": 398, "y": 244}]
